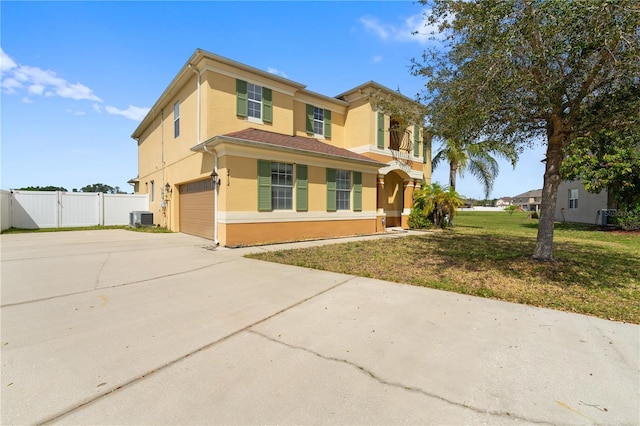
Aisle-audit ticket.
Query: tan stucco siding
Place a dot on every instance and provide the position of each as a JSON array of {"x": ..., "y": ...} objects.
[
  {"x": 264, "y": 233},
  {"x": 337, "y": 122},
  {"x": 360, "y": 125},
  {"x": 239, "y": 190},
  {"x": 220, "y": 109}
]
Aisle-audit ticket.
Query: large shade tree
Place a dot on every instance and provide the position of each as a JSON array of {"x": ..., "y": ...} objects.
[{"x": 536, "y": 70}]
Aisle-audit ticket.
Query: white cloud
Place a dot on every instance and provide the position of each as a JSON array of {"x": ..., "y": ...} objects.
[
  {"x": 10, "y": 85},
  {"x": 377, "y": 59},
  {"x": 40, "y": 82},
  {"x": 132, "y": 113},
  {"x": 97, "y": 108},
  {"x": 6, "y": 63},
  {"x": 412, "y": 29},
  {"x": 36, "y": 89},
  {"x": 276, "y": 72},
  {"x": 372, "y": 24},
  {"x": 27, "y": 100}
]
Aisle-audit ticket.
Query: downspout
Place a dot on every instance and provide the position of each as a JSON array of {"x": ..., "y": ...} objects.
[
  {"x": 215, "y": 160},
  {"x": 215, "y": 194}
]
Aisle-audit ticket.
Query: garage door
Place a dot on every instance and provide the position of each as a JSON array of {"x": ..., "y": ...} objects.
[{"x": 196, "y": 208}]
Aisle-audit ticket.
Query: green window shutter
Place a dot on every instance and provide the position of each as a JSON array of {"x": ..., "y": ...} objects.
[
  {"x": 416, "y": 141},
  {"x": 331, "y": 190},
  {"x": 267, "y": 105},
  {"x": 327, "y": 123},
  {"x": 242, "y": 104},
  {"x": 310, "y": 119},
  {"x": 426, "y": 145},
  {"x": 302, "y": 188},
  {"x": 264, "y": 185},
  {"x": 380, "y": 134},
  {"x": 357, "y": 191}
]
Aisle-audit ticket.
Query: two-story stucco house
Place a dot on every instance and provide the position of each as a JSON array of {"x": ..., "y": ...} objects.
[
  {"x": 242, "y": 156},
  {"x": 528, "y": 201}
]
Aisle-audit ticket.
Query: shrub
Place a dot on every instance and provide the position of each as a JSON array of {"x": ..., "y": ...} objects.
[
  {"x": 510, "y": 209},
  {"x": 629, "y": 220},
  {"x": 419, "y": 220}
]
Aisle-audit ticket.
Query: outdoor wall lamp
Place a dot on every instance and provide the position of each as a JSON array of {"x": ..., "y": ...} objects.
[
  {"x": 214, "y": 176},
  {"x": 167, "y": 188}
]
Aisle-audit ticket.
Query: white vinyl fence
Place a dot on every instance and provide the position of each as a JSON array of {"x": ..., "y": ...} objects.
[{"x": 45, "y": 209}]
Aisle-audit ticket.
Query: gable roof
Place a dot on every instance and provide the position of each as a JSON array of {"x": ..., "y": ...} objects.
[
  {"x": 278, "y": 141},
  {"x": 530, "y": 194}
]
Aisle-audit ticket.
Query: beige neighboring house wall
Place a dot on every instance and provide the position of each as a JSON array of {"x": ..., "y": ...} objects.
[
  {"x": 209, "y": 102},
  {"x": 529, "y": 201},
  {"x": 575, "y": 204}
]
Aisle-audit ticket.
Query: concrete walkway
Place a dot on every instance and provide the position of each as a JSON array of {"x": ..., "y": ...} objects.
[{"x": 119, "y": 327}]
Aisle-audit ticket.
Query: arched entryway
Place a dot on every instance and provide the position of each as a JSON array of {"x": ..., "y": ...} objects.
[{"x": 395, "y": 198}]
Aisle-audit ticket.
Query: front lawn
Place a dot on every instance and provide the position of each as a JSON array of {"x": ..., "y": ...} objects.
[{"x": 488, "y": 254}]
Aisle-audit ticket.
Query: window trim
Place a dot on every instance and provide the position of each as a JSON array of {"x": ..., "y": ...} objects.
[
  {"x": 573, "y": 201},
  {"x": 343, "y": 190},
  {"x": 289, "y": 188},
  {"x": 176, "y": 119}
]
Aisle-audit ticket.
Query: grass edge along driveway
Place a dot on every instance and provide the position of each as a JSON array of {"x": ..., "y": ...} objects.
[{"x": 488, "y": 254}]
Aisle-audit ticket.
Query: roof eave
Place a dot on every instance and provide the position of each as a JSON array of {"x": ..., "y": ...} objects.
[{"x": 219, "y": 139}]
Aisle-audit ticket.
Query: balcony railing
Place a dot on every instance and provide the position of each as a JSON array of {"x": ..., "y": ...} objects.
[{"x": 400, "y": 145}]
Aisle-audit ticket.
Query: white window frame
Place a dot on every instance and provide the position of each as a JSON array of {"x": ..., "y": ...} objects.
[
  {"x": 318, "y": 121},
  {"x": 343, "y": 187},
  {"x": 573, "y": 198},
  {"x": 251, "y": 99},
  {"x": 282, "y": 180},
  {"x": 176, "y": 120}
]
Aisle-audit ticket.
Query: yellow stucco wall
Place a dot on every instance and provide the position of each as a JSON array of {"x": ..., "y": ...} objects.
[
  {"x": 239, "y": 189},
  {"x": 337, "y": 122}
]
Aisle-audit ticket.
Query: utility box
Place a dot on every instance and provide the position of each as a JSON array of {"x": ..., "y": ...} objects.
[
  {"x": 140, "y": 218},
  {"x": 606, "y": 215}
]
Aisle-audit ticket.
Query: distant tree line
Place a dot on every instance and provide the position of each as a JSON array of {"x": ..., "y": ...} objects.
[{"x": 96, "y": 187}]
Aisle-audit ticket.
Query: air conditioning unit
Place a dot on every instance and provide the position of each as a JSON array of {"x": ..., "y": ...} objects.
[
  {"x": 606, "y": 215},
  {"x": 140, "y": 218}
]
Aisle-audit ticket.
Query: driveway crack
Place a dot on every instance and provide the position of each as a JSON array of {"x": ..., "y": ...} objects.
[
  {"x": 195, "y": 351},
  {"x": 100, "y": 271},
  {"x": 379, "y": 379}
]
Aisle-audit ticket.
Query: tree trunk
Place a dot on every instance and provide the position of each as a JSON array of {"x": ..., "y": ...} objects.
[
  {"x": 453, "y": 169},
  {"x": 544, "y": 242}
]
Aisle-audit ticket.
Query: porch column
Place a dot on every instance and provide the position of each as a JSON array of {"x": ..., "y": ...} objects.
[
  {"x": 381, "y": 216},
  {"x": 409, "y": 185}
]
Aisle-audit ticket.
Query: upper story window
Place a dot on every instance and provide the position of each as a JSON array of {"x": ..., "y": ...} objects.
[
  {"x": 254, "y": 96},
  {"x": 254, "y": 102},
  {"x": 176, "y": 119},
  {"x": 573, "y": 198},
  {"x": 318, "y": 121}
]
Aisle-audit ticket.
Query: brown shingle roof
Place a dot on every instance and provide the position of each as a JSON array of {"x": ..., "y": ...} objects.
[{"x": 299, "y": 143}]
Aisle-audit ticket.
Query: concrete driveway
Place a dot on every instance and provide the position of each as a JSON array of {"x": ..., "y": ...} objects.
[{"x": 119, "y": 327}]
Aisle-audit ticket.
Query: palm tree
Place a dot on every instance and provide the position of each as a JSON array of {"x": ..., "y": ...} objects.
[
  {"x": 437, "y": 203},
  {"x": 475, "y": 158}
]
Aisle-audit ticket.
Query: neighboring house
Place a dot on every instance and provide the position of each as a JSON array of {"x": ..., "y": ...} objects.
[
  {"x": 575, "y": 204},
  {"x": 504, "y": 202},
  {"x": 242, "y": 156},
  {"x": 529, "y": 201}
]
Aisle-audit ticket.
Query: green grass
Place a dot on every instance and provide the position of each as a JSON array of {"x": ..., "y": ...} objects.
[
  {"x": 488, "y": 254},
  {"x": 152, "y": 229}
]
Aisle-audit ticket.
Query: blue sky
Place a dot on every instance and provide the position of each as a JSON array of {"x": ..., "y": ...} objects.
[{"x": 77, "y": 77}]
